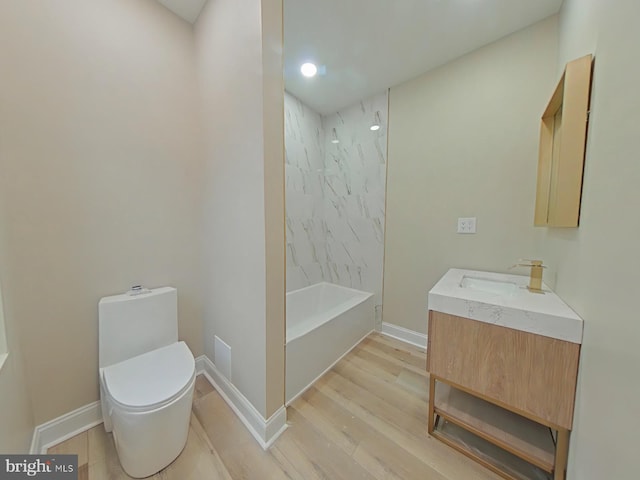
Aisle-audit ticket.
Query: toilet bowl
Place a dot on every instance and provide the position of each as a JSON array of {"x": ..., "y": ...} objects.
[{"x": 147, "y": 379}]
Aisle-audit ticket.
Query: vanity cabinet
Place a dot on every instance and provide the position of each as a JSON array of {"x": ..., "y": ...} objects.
[{"x": 512, "y": 388}]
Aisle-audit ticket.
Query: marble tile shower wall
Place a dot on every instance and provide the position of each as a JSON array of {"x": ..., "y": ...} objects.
[
  {"x": 304, "y": 178},
  {"x": 354, "y": 196},
  {"x": 335, "y": 195}
]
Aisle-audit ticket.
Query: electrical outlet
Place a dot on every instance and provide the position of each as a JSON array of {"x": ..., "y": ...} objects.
[{"x": 467, "y": 225}]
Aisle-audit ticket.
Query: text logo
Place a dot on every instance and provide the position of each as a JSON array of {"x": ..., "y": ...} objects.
[{"x": 40, "y": 467}]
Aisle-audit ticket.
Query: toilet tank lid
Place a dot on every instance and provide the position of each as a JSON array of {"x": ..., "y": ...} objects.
[{"x": 151, "y": 378}]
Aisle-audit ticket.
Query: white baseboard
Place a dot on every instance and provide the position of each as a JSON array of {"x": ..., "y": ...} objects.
[
  {"x": 264, "y": 431},
  {"x": 64, "y": 427},
  {"x": 200, "y": 365},
  {"x": 82, "y": 419},
  {"x": 404, "y": 334}
]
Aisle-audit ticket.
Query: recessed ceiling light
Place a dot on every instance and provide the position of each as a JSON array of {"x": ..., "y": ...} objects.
[
  {"x": 308, "y": 69},
  {"x": 376, "y": 122},
  {"x": 334, "y": 137}
]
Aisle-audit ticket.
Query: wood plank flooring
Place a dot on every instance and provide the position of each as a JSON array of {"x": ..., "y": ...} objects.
[{"x": 365, "y": 419}]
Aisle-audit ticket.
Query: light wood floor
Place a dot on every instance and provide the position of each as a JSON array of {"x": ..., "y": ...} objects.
[{"x": 364, "y": 419}]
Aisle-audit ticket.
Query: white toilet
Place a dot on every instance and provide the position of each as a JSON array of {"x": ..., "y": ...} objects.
[{"x": 147, "y": 378}]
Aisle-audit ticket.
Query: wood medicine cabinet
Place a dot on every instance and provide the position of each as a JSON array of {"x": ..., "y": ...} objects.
[{"x": 563, "y": 135}]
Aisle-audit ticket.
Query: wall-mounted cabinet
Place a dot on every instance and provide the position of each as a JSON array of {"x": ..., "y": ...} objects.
[{"x": 563, "y": 135}]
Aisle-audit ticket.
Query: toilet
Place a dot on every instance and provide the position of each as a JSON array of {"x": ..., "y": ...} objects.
[{"x": 147, "y": 378}]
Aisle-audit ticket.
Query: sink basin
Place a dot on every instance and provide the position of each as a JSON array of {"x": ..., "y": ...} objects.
[
  {"x": 498, "y": 287},
  {"x": 503, "y": 300}
]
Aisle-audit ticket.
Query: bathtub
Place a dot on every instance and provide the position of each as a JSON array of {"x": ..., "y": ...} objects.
[{"x": 324, "y": 322}]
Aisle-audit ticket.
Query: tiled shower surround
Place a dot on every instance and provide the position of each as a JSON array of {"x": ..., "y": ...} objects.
[
  {"x": 304, "y": 179},
  {"x": 335, "y": 195}
]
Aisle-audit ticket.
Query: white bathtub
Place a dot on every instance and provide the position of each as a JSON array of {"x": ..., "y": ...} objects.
[{"x": 324, "y": 322}]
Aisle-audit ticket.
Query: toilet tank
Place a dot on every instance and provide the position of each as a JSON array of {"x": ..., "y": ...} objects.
[{"x": 130, "y": 325}]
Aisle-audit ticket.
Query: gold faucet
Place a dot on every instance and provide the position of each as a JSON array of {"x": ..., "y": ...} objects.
[{"x": 535, "y": 278}]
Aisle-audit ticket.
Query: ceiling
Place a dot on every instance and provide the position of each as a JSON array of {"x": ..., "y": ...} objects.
[
  {"x": 187, "y": 9},
  {"x": 366, "y": 46}
]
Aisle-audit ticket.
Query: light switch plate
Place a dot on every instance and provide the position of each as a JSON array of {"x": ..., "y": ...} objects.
[{"x": 467, "y": 225}]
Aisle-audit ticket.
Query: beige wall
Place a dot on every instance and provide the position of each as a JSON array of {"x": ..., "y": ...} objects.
[
  {"x": 596, "y": 266},
  {"x": 100, "y": 168},
  {"x": 463, "y": 142},
  {"x": 16, "y": 414},
  {"x": 242, "y": 103}
]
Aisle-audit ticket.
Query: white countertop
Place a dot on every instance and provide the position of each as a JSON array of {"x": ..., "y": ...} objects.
[{"x": 543, "y": 314}]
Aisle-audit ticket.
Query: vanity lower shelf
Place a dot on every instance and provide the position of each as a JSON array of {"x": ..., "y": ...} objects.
[{"x": 505, "y": 442}]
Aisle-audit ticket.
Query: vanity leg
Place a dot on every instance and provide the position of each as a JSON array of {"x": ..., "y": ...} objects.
[
  {"x": 562, "y": 454},
  {"x": 432, "y": 394}
]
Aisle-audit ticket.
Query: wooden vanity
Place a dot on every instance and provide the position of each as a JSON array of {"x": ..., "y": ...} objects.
[{"x": 511, "y": 388}]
